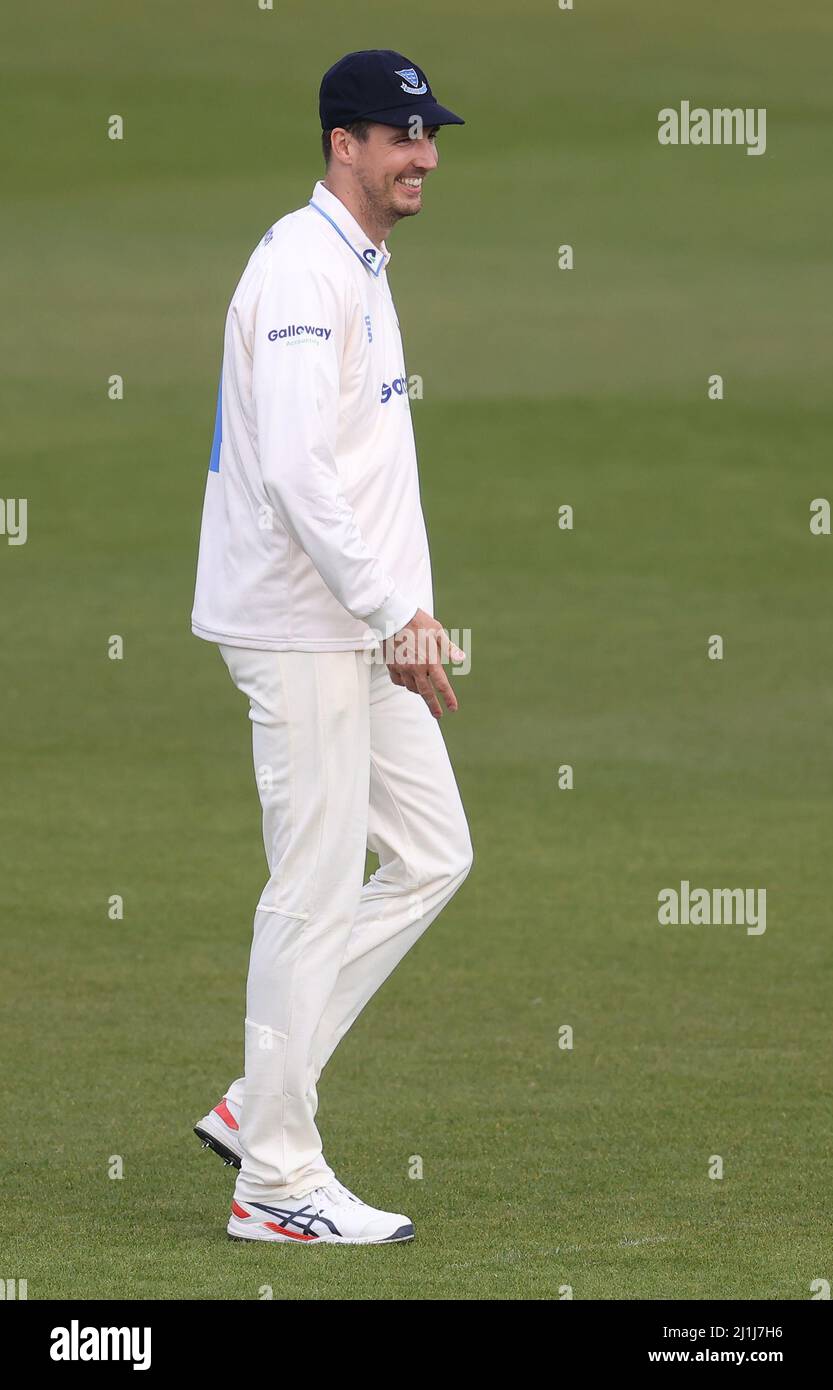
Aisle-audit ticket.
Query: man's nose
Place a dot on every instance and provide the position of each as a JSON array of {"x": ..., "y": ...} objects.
[{"x": 426, "y": 154}]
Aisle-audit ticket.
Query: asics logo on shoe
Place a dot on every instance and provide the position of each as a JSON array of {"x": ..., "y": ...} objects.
[{"x": 297, "y": 1224}]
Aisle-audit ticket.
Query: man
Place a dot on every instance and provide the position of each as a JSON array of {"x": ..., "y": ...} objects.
[{"x": 313, "y": 556}]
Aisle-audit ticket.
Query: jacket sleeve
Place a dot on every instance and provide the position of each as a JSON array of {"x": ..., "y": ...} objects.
[{"x": 295, "y": 386}]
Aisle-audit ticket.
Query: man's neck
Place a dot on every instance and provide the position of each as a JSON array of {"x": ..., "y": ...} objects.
[{"x": 357, "y": 209}]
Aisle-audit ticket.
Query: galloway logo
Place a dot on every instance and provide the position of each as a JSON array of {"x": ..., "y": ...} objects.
[
  {"x": 400, "y": 386},
  {"x": 412, "y": 84},
  {"x": 298, "y": 330}
]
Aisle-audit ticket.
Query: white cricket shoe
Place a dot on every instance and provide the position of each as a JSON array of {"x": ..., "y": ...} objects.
[
  {"x": 329, "y": 1215},
  {"x": 220, "y": 1130}
]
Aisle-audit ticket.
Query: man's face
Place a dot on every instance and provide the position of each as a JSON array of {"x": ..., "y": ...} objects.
[{"x": 390, "y": 166}]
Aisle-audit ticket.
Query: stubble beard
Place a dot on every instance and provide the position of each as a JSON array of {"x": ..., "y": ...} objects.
[{"x": 378, "y": 205}]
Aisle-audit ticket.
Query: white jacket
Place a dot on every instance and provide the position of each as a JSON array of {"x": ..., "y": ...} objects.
[{"x": 312, "y": 537}]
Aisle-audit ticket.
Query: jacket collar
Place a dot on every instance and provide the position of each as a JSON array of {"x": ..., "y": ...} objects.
[{"x": 344, "y": 223}]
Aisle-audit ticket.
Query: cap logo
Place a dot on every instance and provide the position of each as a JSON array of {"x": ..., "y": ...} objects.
[{"x": 412, "y": 84}]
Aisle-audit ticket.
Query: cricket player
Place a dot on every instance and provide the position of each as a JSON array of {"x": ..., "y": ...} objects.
[{"x": 314, "y": 579}]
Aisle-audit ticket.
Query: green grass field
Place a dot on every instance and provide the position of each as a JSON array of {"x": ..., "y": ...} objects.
[{"x": 543, "y": 1167}]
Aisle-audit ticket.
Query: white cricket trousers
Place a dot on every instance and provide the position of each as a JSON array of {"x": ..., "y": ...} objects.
[{"x": 344, "y": 760}]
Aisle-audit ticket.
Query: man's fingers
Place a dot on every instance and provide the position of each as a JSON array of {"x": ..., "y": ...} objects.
[
  {"x": 417, "y": 660},
  {"x": 439, "y": 648},
  {"x": 419, "y": 681},
  {"x": 449, "y": 651},
  {"x": 428, "y": 694},
  {"x": 444, "y": 686},
  {"x": 442, "y": 649}
]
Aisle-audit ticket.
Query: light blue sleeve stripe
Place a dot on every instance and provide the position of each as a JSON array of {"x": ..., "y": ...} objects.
[{"x": 214, "y": 461}]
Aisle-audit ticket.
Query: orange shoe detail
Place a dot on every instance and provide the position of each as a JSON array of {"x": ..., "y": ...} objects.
[
  {"x": 225, "y": 1114},
  {"x": 282, "y": 1231}
]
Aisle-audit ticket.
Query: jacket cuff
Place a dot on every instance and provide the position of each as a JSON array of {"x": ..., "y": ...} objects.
[{"x": 394, "y": 613}]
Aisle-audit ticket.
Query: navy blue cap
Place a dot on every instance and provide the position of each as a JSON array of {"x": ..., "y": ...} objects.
[{"x": 376, "y": 84}]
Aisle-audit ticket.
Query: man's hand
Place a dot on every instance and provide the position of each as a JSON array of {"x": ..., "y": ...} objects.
[{"x": 414, "y": 657}]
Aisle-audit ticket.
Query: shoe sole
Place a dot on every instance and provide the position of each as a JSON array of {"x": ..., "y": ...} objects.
[
  {"x": 235, "y": 1232},
  {"x": 228, "y": 1156}
]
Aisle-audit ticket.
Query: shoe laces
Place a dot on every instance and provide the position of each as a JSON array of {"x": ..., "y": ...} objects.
[{"x": 333, "y": 1191}]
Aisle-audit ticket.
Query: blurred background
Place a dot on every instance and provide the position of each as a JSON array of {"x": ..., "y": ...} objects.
[{"x": 543, "y": 1167}]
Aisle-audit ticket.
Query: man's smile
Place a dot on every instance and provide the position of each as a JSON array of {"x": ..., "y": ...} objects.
[{"x": 413, "y": 184}]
